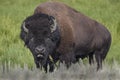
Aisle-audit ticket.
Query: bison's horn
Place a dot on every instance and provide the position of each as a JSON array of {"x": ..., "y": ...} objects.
[
  {"x": 54, "y": 25},
  {"x": 24, "y": 28}
]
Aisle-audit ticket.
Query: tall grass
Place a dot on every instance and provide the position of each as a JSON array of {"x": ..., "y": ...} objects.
[
  {"x": 76, "y": 72},
  {"x": 13, "y": 12}
]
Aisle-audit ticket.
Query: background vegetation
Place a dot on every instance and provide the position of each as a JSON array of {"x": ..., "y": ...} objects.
[
  {"x": 13, "y": 12},
  {"x": 75, "y": 72}
]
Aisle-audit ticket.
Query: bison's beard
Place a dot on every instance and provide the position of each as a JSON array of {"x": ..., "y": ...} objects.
[{"x": 42, "y": 60}]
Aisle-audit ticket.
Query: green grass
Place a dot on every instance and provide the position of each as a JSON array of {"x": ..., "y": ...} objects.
[{"x": 13, "y": 12}]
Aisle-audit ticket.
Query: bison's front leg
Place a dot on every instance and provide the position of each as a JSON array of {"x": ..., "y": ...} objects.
[
  {"x": 68, "y": 59},
  {"x": 51, "y": 66},
  {"x": 37, "y": 64},
  {"x": 45, "y": 66},
  {"x": 40, "y": 66}
]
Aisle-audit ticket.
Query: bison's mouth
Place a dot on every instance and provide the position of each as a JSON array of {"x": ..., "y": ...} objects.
[
  {"x": 40, "y": 57},
  {"x": 41, "y": 60}
]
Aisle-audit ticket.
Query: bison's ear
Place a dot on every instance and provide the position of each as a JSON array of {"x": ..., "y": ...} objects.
[
  {"x": 53, "y": 23},
  {"x": 24, "y": 27}
]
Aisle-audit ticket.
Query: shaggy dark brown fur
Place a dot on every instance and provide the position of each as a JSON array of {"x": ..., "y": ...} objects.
[
  {"x": 80, "y": 35},
  {"x": 77, "y": 36}
]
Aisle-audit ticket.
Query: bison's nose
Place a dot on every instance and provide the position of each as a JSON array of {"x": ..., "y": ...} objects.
[{"x": 39, "y": 49}]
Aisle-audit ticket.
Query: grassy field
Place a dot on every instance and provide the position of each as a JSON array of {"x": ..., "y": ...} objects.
[{"x": 13, "y": 12}]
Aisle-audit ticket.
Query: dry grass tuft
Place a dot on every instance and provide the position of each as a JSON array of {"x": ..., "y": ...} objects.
[{"x": 75, "y": 72}]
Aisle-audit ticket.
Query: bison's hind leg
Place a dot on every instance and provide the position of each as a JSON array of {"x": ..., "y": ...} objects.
[
  {"x": 91, "y": 58},
  {"x": 100, "y": 54},
  {"x": 99, "y": 59}
]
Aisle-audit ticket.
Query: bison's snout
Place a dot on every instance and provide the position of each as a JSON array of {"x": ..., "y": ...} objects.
[{"x": 40, "y": 52}]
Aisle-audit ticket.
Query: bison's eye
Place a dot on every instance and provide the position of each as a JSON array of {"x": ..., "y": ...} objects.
[{"x": 27, "y": 26}]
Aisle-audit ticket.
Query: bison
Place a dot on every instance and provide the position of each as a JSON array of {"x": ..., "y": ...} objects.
[{"x": 65, "y": 34}]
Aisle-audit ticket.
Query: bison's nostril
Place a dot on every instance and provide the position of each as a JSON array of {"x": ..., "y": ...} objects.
[{"x": 39, "y": 50}]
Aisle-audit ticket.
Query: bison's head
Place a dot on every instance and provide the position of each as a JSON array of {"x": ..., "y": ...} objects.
[{"x": 41, "y": 35}]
